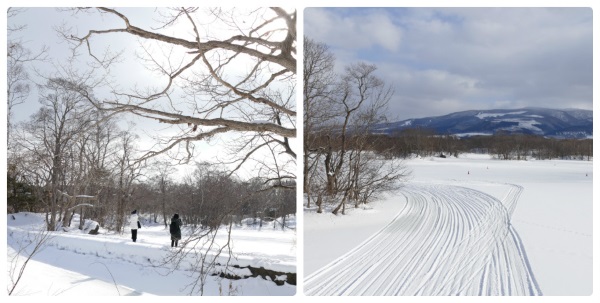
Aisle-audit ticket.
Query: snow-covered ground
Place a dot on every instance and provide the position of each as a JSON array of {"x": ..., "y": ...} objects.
[
  {"x": 76, "y": 263},
  {"x": 466, "y": 226},
  {"x": 450, "y": 208}
]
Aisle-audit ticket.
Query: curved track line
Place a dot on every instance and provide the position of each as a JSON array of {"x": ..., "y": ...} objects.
[{"x": 447, "y": 240}]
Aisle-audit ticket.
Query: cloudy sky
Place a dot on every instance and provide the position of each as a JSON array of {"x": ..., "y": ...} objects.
[{"x": 445, "y": 60}]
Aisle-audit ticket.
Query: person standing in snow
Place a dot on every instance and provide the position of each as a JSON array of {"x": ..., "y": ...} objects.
[
  {"x": 134, "y": 224},
  {"x": 175, "y": 230}
]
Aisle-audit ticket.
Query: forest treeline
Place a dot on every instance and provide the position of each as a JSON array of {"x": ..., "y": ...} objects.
[
  {"x": 504, "y": 146},
  {"x": 206, "y": 198},
  {"x": 425, "y": 142},
  {"x": 70, "y": 157}
]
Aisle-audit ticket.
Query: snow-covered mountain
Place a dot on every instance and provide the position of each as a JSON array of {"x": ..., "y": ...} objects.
[{"x": 558, "y": 123}]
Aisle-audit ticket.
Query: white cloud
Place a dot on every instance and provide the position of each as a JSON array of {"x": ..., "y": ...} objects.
[
  {"x": 478, "y": 57},
  {"x": 356, "y": 32}
]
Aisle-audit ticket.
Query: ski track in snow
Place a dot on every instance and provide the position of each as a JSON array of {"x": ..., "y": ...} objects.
[{"x": 448, "y": 240}]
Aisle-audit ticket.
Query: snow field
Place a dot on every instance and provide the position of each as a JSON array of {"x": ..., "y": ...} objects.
[
  {"x": 448, "y": 240},
  {"x": 466, "y": 226},
  {"x": 111, "y": 264}
]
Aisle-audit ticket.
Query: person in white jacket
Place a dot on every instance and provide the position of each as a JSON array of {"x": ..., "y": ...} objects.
[{"x": 134, "y": 224}]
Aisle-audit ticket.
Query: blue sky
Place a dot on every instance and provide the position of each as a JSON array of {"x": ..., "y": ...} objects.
[{"x": 442, "y": 60}]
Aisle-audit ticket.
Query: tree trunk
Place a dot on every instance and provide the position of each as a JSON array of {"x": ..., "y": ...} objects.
[
  {"x": 341, "y": 206},
  {"x": 320, "y": 203},
  {"x": 81, "y": 217}
]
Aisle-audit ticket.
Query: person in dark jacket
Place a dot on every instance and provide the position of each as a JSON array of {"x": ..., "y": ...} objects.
[{"x": 175, "y": 230}]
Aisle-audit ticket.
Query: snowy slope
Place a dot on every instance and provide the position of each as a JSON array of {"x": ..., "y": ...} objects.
[{"x": 566, "y": 123}]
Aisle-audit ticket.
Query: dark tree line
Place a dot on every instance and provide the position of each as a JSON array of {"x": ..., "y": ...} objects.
[
  {"x": 206, "y": 199},
  {"x": 504, "y": 146},
  {"x": 209, "y": 198}
]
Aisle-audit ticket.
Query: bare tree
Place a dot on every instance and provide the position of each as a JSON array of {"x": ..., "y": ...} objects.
[
  {"x": 340, "y": 112},
  {"x": 17, "y": 78},
  {"x": 359, "y": 87},
  {"x": 26, "y": 247},
  {"x": 163, "y": 180},
  {"x": 99, "y": 150},
  {"x": 47, "y": 139},
  {"x": 240, "y": 80},
  {"x": 318, "y": 79},
  {"x": 126, "y": 170}
]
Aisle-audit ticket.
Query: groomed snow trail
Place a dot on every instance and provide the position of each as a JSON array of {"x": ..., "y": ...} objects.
[{"x": 448, "y": 240}]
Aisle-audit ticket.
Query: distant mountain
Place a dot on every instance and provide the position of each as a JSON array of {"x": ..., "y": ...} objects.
[{"x": 557, "y": 123}]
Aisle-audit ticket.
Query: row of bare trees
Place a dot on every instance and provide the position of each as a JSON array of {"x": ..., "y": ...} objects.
[
  {"x": 339, "y": 110},
  {"x": 504, "y": 146},
  {"x": 69, "y": 153},
  {"x": 71, "y": 157},
  {"x": 522, "y": 147},
  {"x": 208, "y": 198}
]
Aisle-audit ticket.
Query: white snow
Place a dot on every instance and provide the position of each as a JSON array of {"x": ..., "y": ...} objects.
[
  {"x": 547, "y": 206},
  {"x": 75, "y": 263},
  {"x": 467, "y": 226},
  {"x": 472, "y": 134},
  {"x": 521, "y": 124},
  {"x": 493, "y": 115}
]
